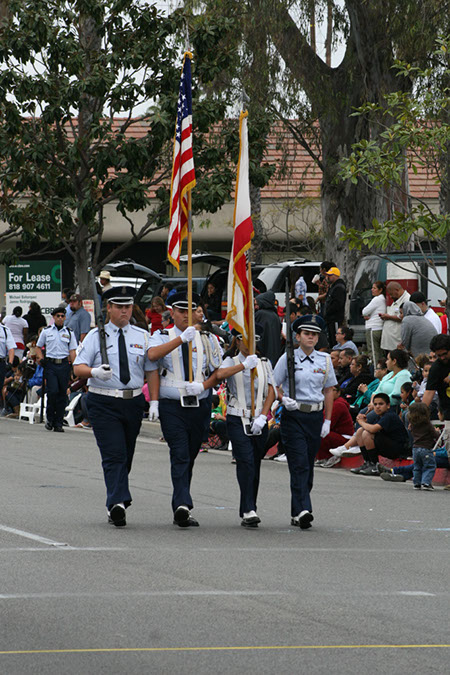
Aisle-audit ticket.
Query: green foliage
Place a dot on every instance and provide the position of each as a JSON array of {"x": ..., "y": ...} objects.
[
  {"x": 72, "y": 140},
  {"x": 413, "y": 131}
]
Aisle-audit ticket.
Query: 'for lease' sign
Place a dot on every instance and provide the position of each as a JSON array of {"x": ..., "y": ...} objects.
[{"x": 34, "y": 280}]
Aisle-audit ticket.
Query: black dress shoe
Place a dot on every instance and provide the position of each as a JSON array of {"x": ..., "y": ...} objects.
[
  {"x": 305, "y": 520},
  {"x": 49, "y": 426},
  {"x": 60, "y": 430},
  {"x": 251, "y": 522},
  {"x": 117, "y": 516},
  {"x": 181, "y": 516},
  {"x": 190, "y": 522}
]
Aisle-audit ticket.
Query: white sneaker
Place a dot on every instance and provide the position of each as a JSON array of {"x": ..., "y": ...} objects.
[
  {"x": 354, "y": 450},
  {"x": 280, "y": 458},
  {"x": 338, "y": 452},
  {"x": 331, "y": 461}
]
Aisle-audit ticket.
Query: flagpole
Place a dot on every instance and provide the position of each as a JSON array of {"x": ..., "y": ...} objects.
[
  {"x": 251, "y": 336},
  {"x": 189, "y": 272}
]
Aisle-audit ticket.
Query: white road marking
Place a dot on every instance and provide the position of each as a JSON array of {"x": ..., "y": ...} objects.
[
  {"x": 136, "y": 594},
  {"x": 30, "y": 535},
  {"x": 415, "y": 593}
]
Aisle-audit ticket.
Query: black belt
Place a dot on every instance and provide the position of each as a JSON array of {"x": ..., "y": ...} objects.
[{"x": 57, "y": 360}]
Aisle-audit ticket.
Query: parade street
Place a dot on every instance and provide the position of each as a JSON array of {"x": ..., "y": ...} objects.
[{"x": 364, "y": 590}]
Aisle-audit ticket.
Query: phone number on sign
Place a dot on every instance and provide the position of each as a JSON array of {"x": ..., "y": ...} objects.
[{"x": 30, "y": 287}]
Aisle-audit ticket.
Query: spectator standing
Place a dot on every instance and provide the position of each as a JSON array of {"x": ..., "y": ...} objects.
[
  {"x": 7, "y": 348},
  {"x": 344, "y": 340},
  {"x": 60, "y": 345},
  {"x": 35, "y": 319},
  {"x": 165, "y": 291},
  {"x": 391, "y": 333},
  {"x": 155, "y": 312},
  {"x": 416, "y": 331},
  {"x": 374, "y": 323},
  {"x": 79, "y": 320},
  {"x": 334, "y": 310},
  {"x": 104, "y": 279},
  {"x": 322, "y": 284},
  {"x": 424, "y": 436},
  {"x": 428, "y": 312},
  {"x": 19, "y": 329},
  {"x": 300, "y": 290},
  {"x": 267, "y": 316},
  {"x": 66, "y": 295}
]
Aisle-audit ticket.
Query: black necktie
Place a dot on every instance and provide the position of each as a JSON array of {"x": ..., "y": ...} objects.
[
  {"x": 185, "y": 353},
  {"x": 124, "y": 371}
]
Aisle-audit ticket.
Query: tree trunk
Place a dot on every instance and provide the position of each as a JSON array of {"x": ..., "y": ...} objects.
[{"x": 255, "y": 203}]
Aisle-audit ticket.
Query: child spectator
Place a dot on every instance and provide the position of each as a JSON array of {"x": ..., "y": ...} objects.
[
  {"x": 424, "y": 438},
  {"x": 386, "y": 435},
  {"x": 406, "y": 395}
]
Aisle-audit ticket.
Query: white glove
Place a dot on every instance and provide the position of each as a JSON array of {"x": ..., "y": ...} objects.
[
  {"x": 289, "y": 403},
  {"x": 153, "y": 413},
  {"x": 102, "y": 372},
  {"x": 250, "y": 362},
  {"x": 258, "y": 424},
  {"x": 194, "y": 388},
  {"x": 325, "y": 428},
  {"x": 189, "y": 334}
]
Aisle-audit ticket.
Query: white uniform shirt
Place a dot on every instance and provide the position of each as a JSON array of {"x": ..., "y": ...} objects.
[
  {"x": 392, "y": 330},
  {"x": 7, "y": 341},
  {"x": 311, "y": 376},
  {"x": 137, "y": 343},
  {"x": 165, "y": 364},
  {"x": 246, "y": 374},
  {"x": 57, "y": 343}
]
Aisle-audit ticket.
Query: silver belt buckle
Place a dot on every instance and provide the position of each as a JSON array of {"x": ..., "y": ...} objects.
[{"x": 127, "y": 393}]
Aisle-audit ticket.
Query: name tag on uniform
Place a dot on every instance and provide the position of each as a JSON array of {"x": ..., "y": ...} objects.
[{"x": 65, "y": 338}]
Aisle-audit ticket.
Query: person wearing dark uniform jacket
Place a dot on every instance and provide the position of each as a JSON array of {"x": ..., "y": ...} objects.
[
  {"x": 115, "y": 401},
  {"x": 60, "y": 344},
  {"x": 184, "y": 407},
  {"x": 7, "y": 347},
  {"x": 248, "y": 435},
  {"x": 303, "y": 422}
]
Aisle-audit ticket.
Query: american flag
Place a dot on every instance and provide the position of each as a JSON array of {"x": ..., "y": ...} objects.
[
  {"x": 183, "y": 172},
  {"x": 240, "y": 292}
]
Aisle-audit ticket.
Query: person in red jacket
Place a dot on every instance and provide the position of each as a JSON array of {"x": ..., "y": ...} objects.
[{"x": 342, "y": 428}]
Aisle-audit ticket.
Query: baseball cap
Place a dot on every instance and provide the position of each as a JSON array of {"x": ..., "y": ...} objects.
[{"x": 334, "y": 270}]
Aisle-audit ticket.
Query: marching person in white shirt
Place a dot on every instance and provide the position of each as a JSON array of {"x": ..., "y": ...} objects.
[
  {"x": 247, "y": 434},
  {"x": 184, "y": 407}
]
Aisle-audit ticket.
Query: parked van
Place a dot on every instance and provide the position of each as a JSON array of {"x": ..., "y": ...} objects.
[{"x": 407, "y": 273}]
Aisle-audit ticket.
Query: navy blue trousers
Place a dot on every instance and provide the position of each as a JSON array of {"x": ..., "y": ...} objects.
[
  {"x": 183, "y": 429},
  {"x": 300, "y": 433},
  {"x": 57, "y": 377},
  {"x": 248, "y": 452},
  {"x": 116, "y": 423}
]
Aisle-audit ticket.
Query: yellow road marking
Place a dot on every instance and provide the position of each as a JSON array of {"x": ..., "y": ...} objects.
[{"x": 217, "y": 649}]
